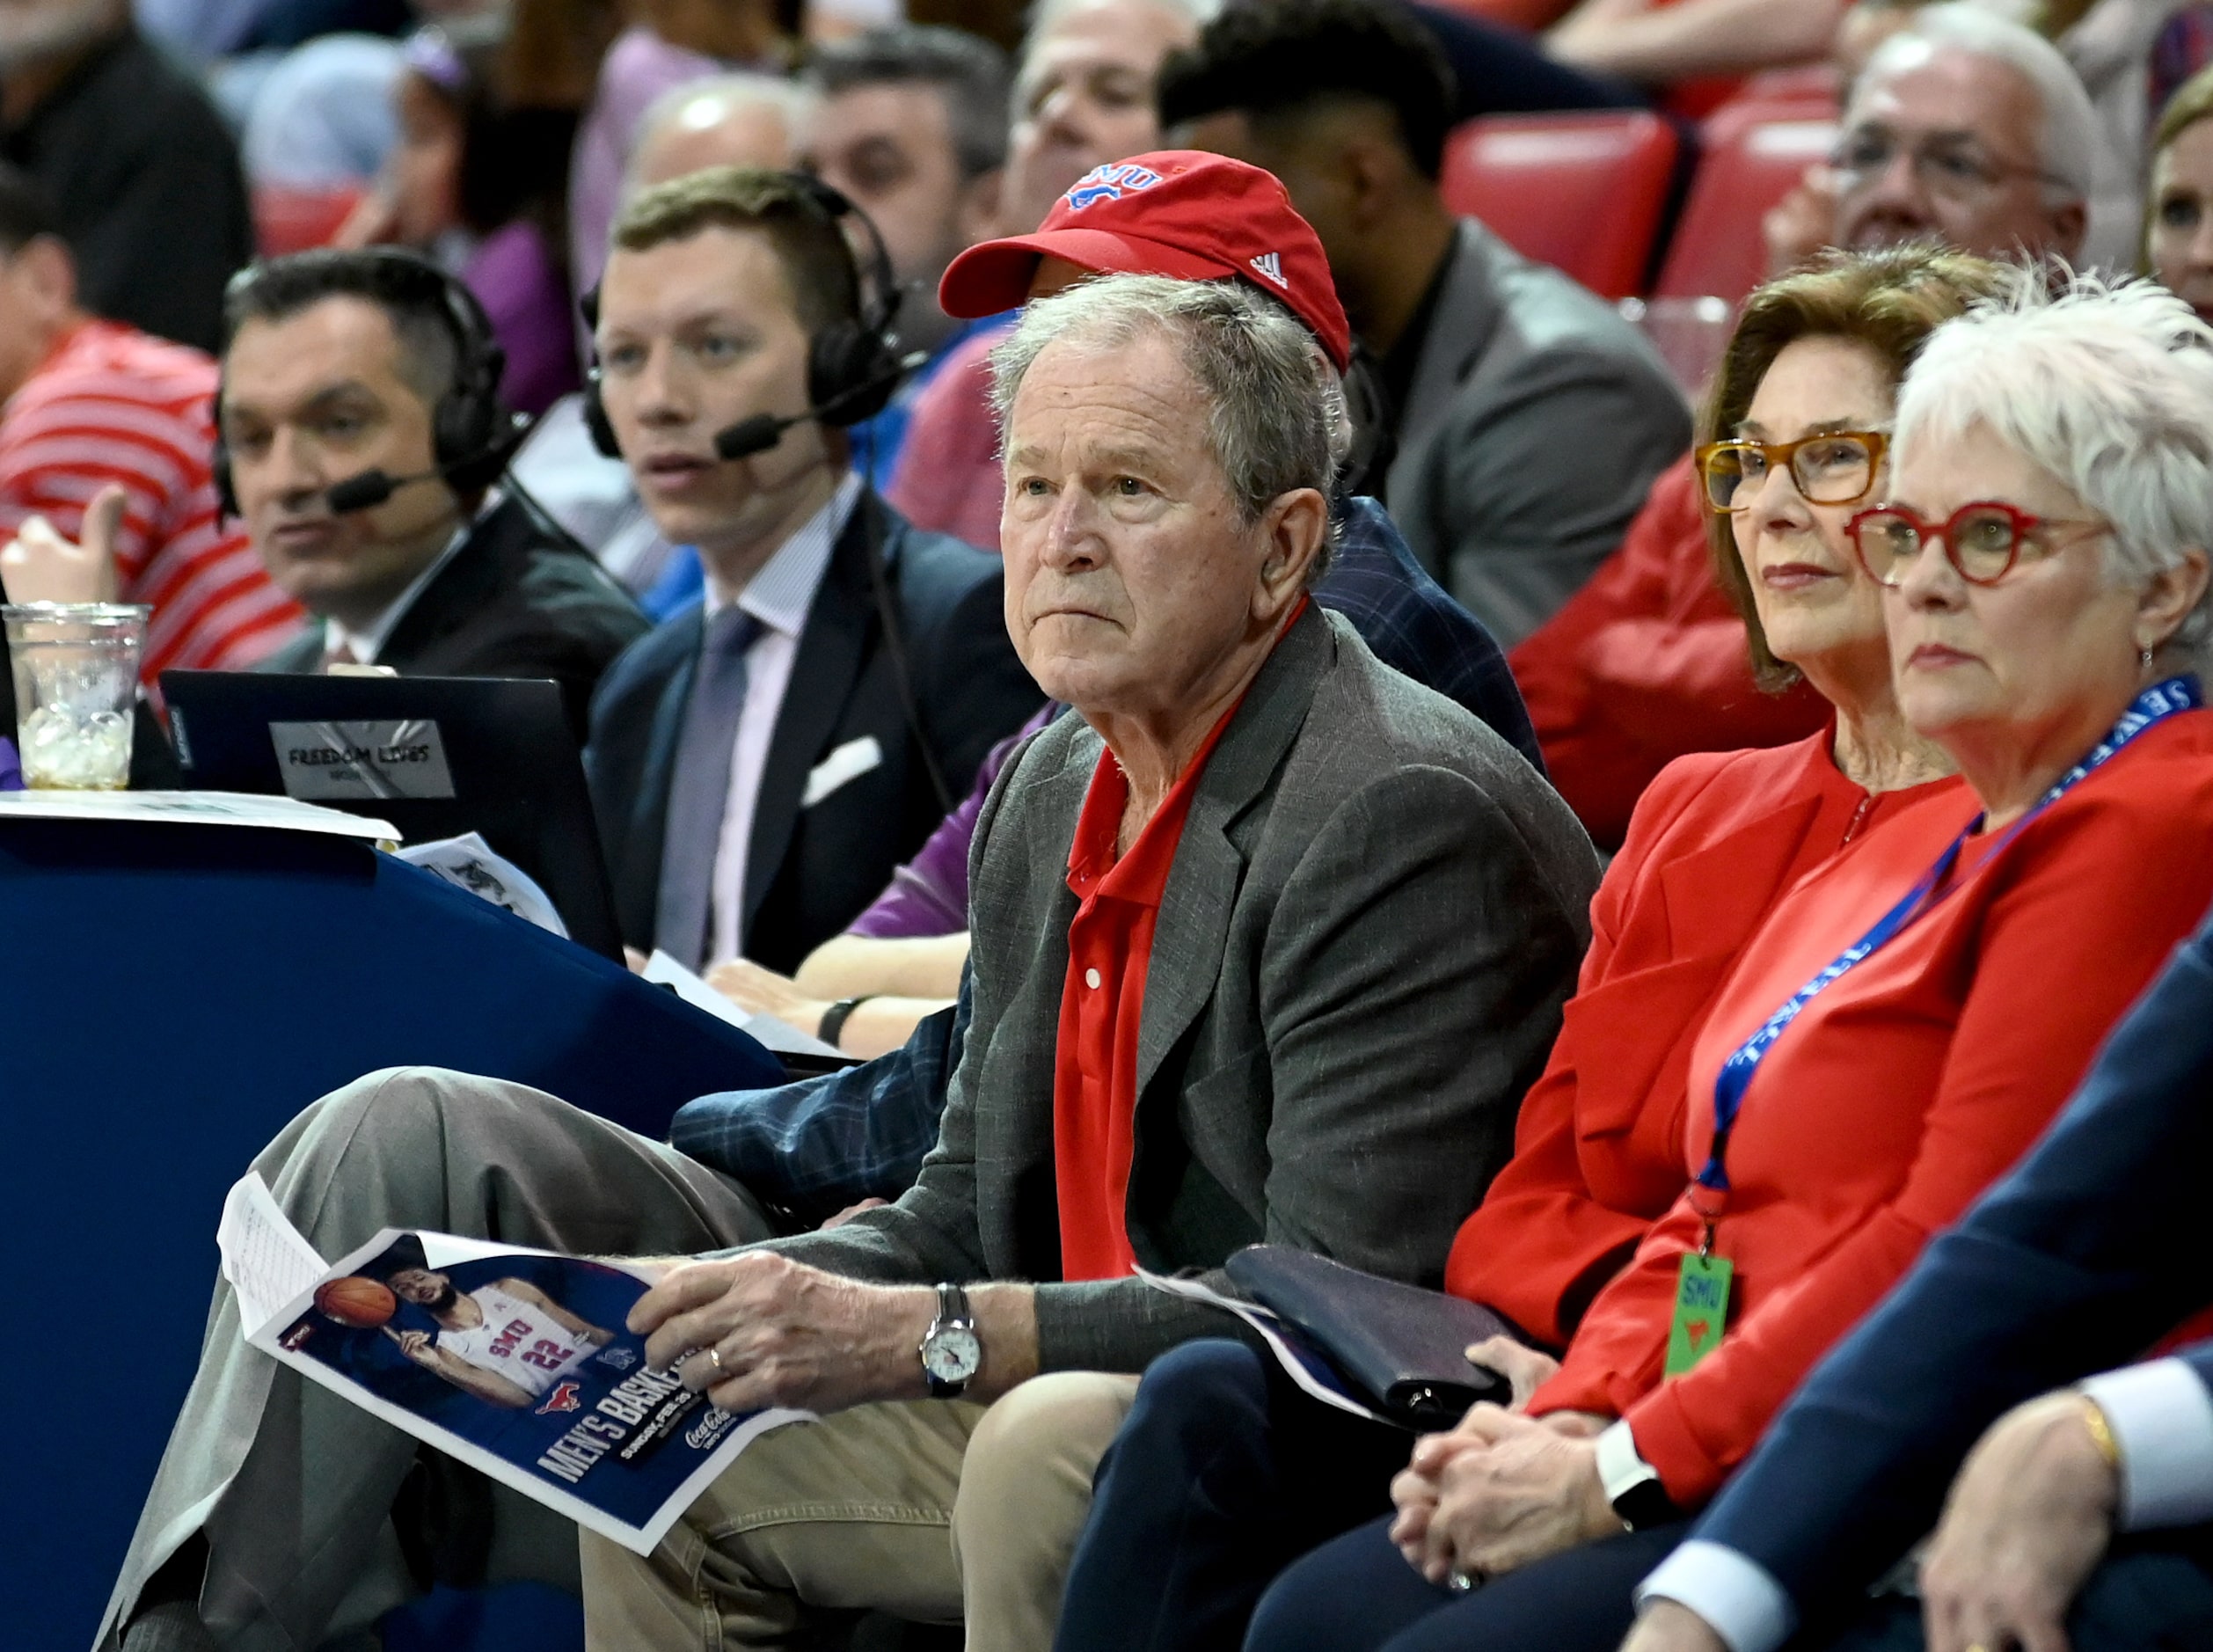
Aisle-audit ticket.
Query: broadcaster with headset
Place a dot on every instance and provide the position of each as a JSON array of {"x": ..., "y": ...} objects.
[
  {"x": 764, "y": 760},
  {"x": 360, "y": 434}
]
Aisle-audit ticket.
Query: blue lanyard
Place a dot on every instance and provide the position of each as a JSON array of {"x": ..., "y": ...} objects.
[{"x": 2153, "y": 706}]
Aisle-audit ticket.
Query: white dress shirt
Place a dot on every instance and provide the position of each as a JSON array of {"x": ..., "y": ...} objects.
[
  {"x": 2162, "y": 1418},
  {"x": 779, "y": 596}
]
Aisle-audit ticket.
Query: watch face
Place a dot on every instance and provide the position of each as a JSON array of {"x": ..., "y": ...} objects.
[{"x": 953, "y": 1354}]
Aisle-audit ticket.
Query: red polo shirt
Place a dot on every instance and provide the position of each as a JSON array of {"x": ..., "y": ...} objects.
[{"x": 1102, "y": 1002}]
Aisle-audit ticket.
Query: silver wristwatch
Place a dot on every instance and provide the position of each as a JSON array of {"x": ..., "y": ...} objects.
[{"x": 952, "y": 1353}]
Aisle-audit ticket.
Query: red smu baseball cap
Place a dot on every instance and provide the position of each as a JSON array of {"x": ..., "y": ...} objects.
[{"x": 1173, "y": 212}]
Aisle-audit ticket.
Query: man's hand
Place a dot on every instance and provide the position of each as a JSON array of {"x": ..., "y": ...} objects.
[
  {"x": 1522, "y": 1365},
  {"x": 416, "y": 1346},
  {"x": 1667, "y": 1626},
  {"x": 39, "y": 566},
  {"x": 784, "y": 1333},
  {"x": 2028, "y": 1519},
  {"x": 764, "y": 992},
  {"x": 1508, "y": 1491}
]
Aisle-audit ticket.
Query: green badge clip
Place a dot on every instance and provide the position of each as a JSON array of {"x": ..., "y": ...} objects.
[{"x": 1701, "y": 1310}]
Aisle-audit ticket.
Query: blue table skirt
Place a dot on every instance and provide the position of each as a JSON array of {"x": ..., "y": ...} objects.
[{"x": 170, "y": 995}]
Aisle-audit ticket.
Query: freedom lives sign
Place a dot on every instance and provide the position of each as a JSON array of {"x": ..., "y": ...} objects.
[{"x": 515, "y": 1362}]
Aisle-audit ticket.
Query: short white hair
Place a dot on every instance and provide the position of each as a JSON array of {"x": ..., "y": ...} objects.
[
  {"x": 2070, "y": 142},
  {"x": 709, "y": 101},
  {"x": 2106, "y": 386}
]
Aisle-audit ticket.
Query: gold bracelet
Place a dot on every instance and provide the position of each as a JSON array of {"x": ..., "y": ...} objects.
[{"x": 2100, "y": 1426}]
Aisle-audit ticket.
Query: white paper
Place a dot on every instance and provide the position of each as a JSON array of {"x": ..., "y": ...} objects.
[
  {"x": 849, "y": 762},
  {"x": 468, "y": 862},
  {"x": 780, "y": 1036},
  {"x": 194, "y": 808},
  {"x": 1271, "y": 1332},
  {"x": 267, "y": 1260}
]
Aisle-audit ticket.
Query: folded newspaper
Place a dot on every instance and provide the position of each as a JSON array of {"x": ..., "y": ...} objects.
[{"x": 515, "y": 1361}]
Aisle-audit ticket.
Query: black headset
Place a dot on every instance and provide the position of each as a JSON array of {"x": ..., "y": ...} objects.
[
  {"x": 472, "y": 433},
  {"x": 854, "y": 364}
]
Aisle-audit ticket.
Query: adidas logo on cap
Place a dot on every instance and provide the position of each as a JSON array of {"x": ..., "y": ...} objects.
[{"x": 1272, "y": 267}]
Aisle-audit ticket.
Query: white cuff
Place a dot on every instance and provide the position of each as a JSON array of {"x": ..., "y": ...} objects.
[
  {"x": 1737, "y": 1597},
  {"x": 1621, "y": 1467},
  {"x": 2162, "y": 1420}
]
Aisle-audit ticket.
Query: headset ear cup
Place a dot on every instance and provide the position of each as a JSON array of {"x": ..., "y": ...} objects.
[
  {"x": 219, "y": 459},
  {"x": 598, "y": 425},
  {"x": 219, "y": 472},
  {"x": 844, "y": 355}
]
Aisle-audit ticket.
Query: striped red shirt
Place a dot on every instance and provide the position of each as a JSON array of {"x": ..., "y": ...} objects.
[{"x": 111, "y": 403}]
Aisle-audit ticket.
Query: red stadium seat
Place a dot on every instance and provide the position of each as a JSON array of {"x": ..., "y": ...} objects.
[
  {"x": 1583, "y": 191},
  {"x": 1749, "y": 164},
  {"x": 294, "y": 220}
]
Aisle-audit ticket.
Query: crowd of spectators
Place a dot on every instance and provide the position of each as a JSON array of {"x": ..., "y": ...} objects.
[{"x": 1255, "y": 712}]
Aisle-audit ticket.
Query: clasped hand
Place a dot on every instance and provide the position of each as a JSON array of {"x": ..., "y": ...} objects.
[
  {"x": 1502, "y": 1490},
  {"x": 759, "y": 1330}
]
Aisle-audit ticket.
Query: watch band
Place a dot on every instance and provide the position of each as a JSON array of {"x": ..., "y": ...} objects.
[
  {"x": 834, "y": 1019},
  {"x": 1632, "y": 1485}
]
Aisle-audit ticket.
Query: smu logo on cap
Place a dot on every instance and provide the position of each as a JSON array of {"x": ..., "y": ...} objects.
[
  {"x": 1271, "y": 265},
  {"x": 1110, "y": 183}
]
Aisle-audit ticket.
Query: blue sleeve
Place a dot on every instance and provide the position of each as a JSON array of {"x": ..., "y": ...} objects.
[
  {"x": 817, "y": 1145},
  {"x": 1411, "y": 623},
  {"x": 2093, "y": 1246}
]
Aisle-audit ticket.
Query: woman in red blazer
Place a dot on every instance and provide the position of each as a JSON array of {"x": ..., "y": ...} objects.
[
  {"x": 1910, "y": 1016},
  {"x": 1716, "y": 842}
]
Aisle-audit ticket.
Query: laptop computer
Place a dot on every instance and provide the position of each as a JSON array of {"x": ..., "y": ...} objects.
[{"x": 436, "y": 756}]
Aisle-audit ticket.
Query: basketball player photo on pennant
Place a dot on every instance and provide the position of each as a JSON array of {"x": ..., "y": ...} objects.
[{"x": 515, "y": 1362}]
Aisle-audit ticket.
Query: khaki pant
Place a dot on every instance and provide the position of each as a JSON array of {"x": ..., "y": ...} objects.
[{"x": 939, "y": 1511}]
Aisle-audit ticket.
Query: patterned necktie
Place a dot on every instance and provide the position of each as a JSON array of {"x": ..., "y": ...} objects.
[{"x": 699, "y": 788}]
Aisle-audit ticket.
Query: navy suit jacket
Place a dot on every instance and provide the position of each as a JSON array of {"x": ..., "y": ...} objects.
[
  {"x": 810, "y": 870},
  {"x": 2093, "y": 1248}
]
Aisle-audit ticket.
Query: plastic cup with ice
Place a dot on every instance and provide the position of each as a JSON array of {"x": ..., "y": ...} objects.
[{"x": 75, "y": 668}]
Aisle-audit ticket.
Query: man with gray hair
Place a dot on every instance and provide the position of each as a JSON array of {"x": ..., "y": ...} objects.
[
  {"x": 1310, "y": 921},
  {"x": 1965, "y": 128}
]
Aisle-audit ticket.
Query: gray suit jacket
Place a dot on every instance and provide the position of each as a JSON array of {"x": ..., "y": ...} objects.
[
  {"x": 1537, "y": 420},
  {"x": 1374, "y": 915}
]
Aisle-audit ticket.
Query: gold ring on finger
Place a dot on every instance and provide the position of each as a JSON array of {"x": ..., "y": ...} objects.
[{"x": 714, "y": 1358}]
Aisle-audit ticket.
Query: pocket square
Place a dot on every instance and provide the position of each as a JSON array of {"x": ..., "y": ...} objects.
[{"x": 849, "y": 762}]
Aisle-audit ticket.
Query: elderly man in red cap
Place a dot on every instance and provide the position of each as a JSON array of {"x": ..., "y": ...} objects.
[{"x": 1195, "y": 216}]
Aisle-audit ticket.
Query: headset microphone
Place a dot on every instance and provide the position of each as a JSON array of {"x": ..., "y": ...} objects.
[
  {"x": 763, "y": 431},
  {"x": 369, "y": 489}
]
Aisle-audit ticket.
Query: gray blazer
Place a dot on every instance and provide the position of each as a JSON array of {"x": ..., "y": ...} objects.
[
  {"x": 1375, "y": 913},
  {"x": 1537, "y": 420}
]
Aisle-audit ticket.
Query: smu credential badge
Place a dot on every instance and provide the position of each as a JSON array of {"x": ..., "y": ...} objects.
[{"x": 1110, "y": 182}]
